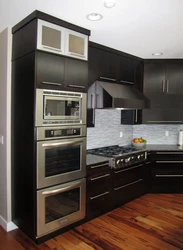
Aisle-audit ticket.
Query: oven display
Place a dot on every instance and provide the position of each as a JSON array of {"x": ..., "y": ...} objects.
[{"x": 57, "y": 132}]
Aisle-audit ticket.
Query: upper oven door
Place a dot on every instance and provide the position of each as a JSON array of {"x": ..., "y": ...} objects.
[
  {"x": 60, "y": 107},
  {"x": 60, "y": 161}
]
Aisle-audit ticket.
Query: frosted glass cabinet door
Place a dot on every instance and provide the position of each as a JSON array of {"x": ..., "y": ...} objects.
[
  {"x": 50, "y": 37},
  {"x": 76, "y": 45}
]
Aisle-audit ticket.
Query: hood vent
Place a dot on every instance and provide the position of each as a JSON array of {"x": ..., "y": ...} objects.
[{"x": 112, "y": 95}]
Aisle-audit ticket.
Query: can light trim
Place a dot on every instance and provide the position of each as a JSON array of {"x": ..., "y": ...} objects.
[
  {"x": 157, "y": 54},
  {"x": 94, "y": 17},
  {"x": 109, "y": 4}
]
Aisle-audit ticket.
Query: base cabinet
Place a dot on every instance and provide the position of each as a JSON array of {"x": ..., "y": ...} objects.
[
  {"x": 128, "y": 184},
  {"x": 167, "y": 172},
  {"x": 98, "y": 188}
]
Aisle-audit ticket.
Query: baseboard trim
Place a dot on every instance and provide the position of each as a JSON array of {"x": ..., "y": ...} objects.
[{"x": 8, "y": 226}]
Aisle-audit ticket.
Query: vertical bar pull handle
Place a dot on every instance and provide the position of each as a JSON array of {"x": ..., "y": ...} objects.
[
  {"x": 163, "y": 86},
  {"x": 167, "y": 86},
  {"x": 136, "y": 115}
]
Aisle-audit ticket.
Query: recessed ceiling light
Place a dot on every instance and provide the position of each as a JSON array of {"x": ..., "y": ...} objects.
[
  {"x": 157, "y": 54},
  {"x": 109, "y": 4},
  {"x": 94, "y": 17}
]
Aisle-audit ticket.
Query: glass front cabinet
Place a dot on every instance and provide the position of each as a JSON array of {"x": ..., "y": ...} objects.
[{"x": 56, "y": 39}]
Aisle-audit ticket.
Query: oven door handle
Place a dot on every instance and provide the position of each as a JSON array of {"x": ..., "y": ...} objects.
[
  {"x": 56, "y": 144},
  {"x": 56, "y": 191}
]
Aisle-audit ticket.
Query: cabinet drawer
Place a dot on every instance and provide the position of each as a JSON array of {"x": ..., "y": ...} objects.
[
  {"x": 171, "y": 168},
  {"x": 98, "y": 186},
  {"x": 98, "y": 205},
  {"x": 128, "y": 192},
  {"x": 168, "y": 156},
  {"x": 125, "y": 176},
  {"x": 165, "y": 183},
  {"x": 97, "y": 169}
]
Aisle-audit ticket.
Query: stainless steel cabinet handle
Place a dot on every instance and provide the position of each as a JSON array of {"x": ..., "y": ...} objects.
[
  {"x": 106, "y": 78},
  {"x": 164, "y": 121},
  {"x": 169, "y": 175},
  {"x": 167, "y": 86},
  {"x": 99, "y": 166},
  {"x": 99, "y": 177},
  {"x": 163, "y": 86},
  {"x": 169, "y": 161},
  {"x": 52, "y": 83},
  {"x": 128, "y": 184},
  {"x": 56, "y": 144},
  {"x": 51, "y": 48},
  {"x": 126, "y": 82},
  {"x": 169, "y": 153},
  {"x": 56, "y": 191},
  {"x": 124, "y": 170},
  {"x": 97, "y": 196},
  {"x": 77, "y": 86},
  {"x": 136, "y": 115}
]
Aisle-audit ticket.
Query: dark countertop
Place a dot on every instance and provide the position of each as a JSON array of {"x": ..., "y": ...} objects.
[
  {"x": 94, "y": 159},
  {"x": 161, "y": 147}
]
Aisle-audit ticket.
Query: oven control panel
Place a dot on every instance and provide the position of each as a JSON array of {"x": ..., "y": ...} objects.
[{"x": 62, "y": 132}]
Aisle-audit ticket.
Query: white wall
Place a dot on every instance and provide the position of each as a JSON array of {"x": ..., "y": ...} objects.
[{"x": 5, "y": 122}]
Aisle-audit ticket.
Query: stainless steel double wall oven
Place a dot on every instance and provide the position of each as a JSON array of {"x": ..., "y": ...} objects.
[{"x": 61, "y": 159}]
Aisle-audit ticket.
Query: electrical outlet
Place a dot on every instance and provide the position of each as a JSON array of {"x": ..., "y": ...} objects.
[
  {"x": 121, "y": 134},
  {"x": 166, "y": 133}
]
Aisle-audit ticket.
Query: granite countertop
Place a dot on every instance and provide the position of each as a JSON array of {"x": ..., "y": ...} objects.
[
  {"x": 161, "y": 147},
  {"x": 94, "y": 159}
]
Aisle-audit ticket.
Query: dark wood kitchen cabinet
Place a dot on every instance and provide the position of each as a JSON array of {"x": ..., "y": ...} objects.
[
  {"x": 129, "y": 183},
  {"x": 163, "y": 86},
  {"x": 58, "y": 72},
  {"x": 98, "y": 186},
  {"x": 167, "y": 172},
  {"x": 103, "y": 65}
]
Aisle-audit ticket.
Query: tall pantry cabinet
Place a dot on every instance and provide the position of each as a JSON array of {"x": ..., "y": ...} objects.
[{"x": 48, "y": 53}]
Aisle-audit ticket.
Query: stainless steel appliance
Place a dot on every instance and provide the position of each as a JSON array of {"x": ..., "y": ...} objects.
[
  {"x": 61, "y": 154},
  {"x": 54, "y": 107},
  {"x": 121, "y": 156},
  {"x": 60, "y": 206}
]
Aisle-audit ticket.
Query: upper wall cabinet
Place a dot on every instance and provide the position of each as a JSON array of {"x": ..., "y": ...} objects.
[
  {"x": 163, "y": 83},
  {"x": 40, "y": 31},
  {"x": 56, "y": 39}
]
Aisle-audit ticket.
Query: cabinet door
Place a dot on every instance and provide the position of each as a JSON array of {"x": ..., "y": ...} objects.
[
  {"x": 76, "y": 75},
  {"x": 103, "y": 65},
  {"x": 127, "y": 70},
  {"x": 154, "y": 78},
  {"x": 49, "y": 70},
  {"x": 162, "y": 116},
  {"x": 76, "y": 44},
  {"x": 50, "y": 37},
  {"x": 174, "y": 78}
]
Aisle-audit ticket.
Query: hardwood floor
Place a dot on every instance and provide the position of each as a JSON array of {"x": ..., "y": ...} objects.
[{"x": 153, "y": 221}]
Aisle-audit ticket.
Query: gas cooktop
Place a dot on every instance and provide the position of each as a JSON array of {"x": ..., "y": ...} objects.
[{"x": 120, "y": 156}]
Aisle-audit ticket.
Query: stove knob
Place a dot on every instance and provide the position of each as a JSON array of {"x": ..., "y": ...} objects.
[
  {"x": 127, "y": 160},
  {"x": 118, "y": 162},
  {"x": 122, "y": 161},
  {"x": 138, "y": 157}
]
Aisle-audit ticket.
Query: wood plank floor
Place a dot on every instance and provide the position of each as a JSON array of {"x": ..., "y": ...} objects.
[{"x": 153, "y": 221}]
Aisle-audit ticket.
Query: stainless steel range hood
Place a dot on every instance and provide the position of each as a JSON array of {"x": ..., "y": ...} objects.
[{"x": 112, "y": 95}]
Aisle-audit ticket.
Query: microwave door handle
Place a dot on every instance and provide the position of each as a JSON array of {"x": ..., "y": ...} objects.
[
  {"x": 56, "y": 191},
  {"x": 53, "y": 145}
]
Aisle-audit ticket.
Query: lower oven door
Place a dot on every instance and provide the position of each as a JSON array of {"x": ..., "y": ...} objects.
[
  {"x": 60, "y": 206},
  {"x": 60, "y": 161}
]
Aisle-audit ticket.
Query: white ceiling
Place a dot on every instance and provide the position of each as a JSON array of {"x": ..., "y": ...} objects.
[{"x": 137, "y": 27}]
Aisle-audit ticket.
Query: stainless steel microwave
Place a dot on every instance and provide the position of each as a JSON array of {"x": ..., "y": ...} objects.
[{"x": 54, "y": 107}]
